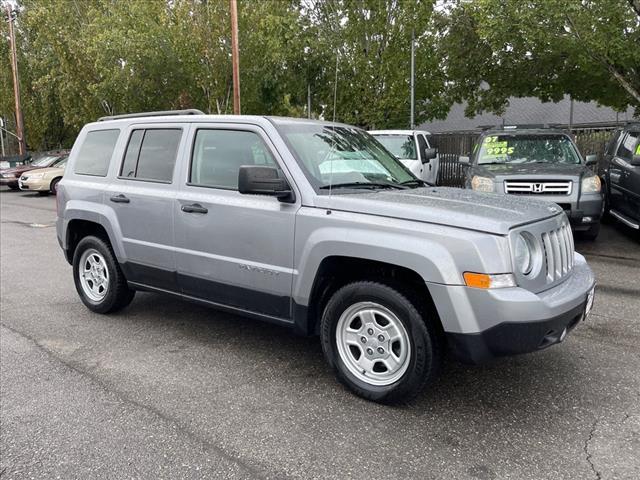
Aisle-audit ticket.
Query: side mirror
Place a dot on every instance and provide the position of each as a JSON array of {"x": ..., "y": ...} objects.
[
  {"x": 428, "y": 154},
  {"x": 463, "y": 160},
  {"x": 592, "y": 160},
  {"x": 635, "y": 160},
  {"x": 259, "y": 180}
]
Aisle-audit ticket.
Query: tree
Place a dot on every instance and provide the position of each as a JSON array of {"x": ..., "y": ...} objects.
[{"x": 589, "y": 49}]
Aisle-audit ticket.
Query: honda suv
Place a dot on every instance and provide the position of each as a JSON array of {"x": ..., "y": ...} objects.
[
  {"x": 247, "y": 214},
  {"x": 541, "y": 163}
]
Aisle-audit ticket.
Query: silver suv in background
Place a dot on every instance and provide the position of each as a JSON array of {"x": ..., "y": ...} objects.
[
  {"x": 314, "y": 226},
  {"x": 538, "y": 163},
  {"x": 413, "y": 148}
]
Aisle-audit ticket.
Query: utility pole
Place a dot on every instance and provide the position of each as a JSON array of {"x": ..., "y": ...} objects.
[
  {"x": 413, "y": 74},
  {"x": 11, "y": 16},
  {"x": 234, "y": 56}
]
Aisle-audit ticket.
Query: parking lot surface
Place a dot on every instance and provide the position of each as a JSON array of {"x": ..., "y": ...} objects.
[{"x": 169, "y": 389}]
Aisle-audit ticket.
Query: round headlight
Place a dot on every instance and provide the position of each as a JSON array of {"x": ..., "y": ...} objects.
[{"x": 523, "y": 254}]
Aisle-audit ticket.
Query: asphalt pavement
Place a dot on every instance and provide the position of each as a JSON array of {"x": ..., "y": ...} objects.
[{"x": 169, "y": 389}]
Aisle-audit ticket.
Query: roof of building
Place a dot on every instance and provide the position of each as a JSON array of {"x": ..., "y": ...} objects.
[{"x": 529, "y": 110}]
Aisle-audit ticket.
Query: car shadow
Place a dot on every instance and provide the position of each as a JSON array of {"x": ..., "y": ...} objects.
[{"x": 505, "y": 385}]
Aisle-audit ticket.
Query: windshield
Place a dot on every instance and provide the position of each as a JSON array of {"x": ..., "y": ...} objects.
[
  {"x": 402, "y": 146},
  {"x": 43, "y": 161},
  {"x": 517, "y": 149},
  {"x": 343, "y": 157}
]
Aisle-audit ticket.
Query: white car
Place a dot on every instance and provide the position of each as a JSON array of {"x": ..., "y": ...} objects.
[{"x": 413, "y": 149}]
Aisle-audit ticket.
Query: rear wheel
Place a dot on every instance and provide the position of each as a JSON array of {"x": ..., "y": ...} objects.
[
  {"x": 99, "y": 280},
  {"x": 378, "y": 342}
]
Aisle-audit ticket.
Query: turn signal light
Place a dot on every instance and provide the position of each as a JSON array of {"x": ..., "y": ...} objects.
[{"x": 484, "y": 280}]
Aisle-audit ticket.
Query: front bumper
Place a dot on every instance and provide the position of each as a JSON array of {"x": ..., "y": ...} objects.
[
  {"x": 35, "y": 185},
  {"x": 9, "y": 182},
  {"x": 484, "y": 324}
]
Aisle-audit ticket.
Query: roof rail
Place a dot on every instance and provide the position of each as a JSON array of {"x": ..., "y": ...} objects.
[{"x": 190, "y": 111}]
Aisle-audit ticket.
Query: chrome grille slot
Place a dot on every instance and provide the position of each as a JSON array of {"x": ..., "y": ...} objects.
[
  {"x": 558, "y": 252},
  {"x": 526, "y": 187}
]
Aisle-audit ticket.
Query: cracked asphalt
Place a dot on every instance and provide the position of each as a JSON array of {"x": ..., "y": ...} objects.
[{"x": 168, "y": 389}]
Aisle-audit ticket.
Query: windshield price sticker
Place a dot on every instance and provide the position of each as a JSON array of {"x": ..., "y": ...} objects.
[
  {"x": 494, "y": 147},
  {"x": 638, "y": 149}
]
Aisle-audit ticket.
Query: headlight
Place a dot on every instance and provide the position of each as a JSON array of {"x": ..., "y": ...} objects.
[
  {"x": 35, "y": 175},
  {"x": 591, "y": 184},
  {"x": 523, "y": 254},
  {"x": 482, "y": 184}
]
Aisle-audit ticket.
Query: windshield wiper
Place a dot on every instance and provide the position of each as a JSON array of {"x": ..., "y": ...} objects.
[
  {"x": 415, "y": 181},
  {"x": 369, "y": 185}
]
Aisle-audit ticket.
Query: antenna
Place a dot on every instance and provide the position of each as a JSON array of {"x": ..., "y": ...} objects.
[
  {"x": 335, "y": 89},
  {"x": 335, "y": 97}
]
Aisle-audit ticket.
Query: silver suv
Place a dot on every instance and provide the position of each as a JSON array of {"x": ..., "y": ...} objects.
[{"x": 315, "y": 226}]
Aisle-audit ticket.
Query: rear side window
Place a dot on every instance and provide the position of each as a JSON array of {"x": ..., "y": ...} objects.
[
  {"x": 219, "y": 154},
  {"x": 95, "y": 153},
  {"x": 151, "y": 154},
  {"x": 628, "y": 145}
]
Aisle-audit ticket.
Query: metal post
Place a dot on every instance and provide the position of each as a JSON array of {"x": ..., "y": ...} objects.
[
  {"x": 11, "y": 16},
  {"x": 309, "y": 100},
  {"x": 413, "y": 73},
  {"x": 570, "y": 112},
  {"x": 234, "y": 56}
]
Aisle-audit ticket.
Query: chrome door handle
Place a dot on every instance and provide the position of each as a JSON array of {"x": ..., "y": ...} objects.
[
  {"x": 119, "y": 199},
  {"x": 194, "y": 208}
]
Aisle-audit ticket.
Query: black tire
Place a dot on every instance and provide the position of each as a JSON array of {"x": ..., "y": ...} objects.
[
  {"x": 14, "y": 187},
  {"x": 54, "y": 185},
  {"x": 605, "y": 217},
  {"x": 591, "y": 233},
  {"x": 426, "y": 347},
  {"x": 118, "y": 295}
]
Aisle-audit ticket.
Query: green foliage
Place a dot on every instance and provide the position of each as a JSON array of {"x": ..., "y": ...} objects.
[
  {"x": 81, "y": 59},
  {"x": 494, "y": 49}
]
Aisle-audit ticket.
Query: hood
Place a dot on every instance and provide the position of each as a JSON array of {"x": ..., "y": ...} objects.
[
  {"x": 453, "y": 207},
  {"x": 18, "y": 169},
  {"x": 530, "y": 169},
  {"x": 48, "y": 171}
]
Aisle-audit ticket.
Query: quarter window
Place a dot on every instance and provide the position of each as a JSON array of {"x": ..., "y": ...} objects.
[
  {"x": 151, "y": 154},
  {"x": 95, "y": 153},
  {"x": 218, "y": 155}
]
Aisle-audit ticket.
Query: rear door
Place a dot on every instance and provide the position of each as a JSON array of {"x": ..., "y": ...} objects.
[
  {"x": 233, "y": 249},
  {"x": 142, "y": 197},
  {"x": 625, "y": 178}
]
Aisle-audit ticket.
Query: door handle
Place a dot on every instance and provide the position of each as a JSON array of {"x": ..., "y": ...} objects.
[
  {"x": 194, "y": 208},
  {"x": 119, "y": 199}
]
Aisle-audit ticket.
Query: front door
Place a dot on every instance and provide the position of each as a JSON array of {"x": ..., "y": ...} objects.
[
  {"x": 142, "y": 197},
  {"x": 625, "y": 178},
  {"x": 233, "y": 249}
]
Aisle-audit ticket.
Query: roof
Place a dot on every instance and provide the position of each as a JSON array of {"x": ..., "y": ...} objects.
[
  {"x": 397, "y": 132},
  {"x": 529, "y": 110}
]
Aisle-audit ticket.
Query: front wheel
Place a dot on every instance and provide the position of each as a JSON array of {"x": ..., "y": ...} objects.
[
  {"x": 54, "y": 185},
  {"x": 379, "y": 343},
  {"x": 99, "y": 281}
]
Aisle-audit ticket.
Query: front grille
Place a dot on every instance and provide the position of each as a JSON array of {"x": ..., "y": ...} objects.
[
  {"x": 547, "y": 187},
  {"x": 558, "y": 252}
]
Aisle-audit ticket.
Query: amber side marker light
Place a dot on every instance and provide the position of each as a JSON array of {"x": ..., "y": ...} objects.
[{"x": 486, "y": 281}]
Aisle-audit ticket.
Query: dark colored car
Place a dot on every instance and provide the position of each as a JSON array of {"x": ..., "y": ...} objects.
[
  {"x": 542, "y": 163},
  {"x": 10, "y": 176},
  {"x": 620, "y": 175}
]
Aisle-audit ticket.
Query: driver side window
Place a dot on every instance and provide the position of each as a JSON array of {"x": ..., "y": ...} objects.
[
  {"x": 218, "y": 155},
  {"x": 627, "y": 147}
]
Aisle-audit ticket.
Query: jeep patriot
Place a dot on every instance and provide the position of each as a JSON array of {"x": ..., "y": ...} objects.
[{"x": 315, "y": 226}]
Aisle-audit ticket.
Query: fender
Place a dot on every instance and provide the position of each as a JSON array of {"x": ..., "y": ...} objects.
[
  {"x": 97, "y": 213},
  {"x": 440, "y": 256}
]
